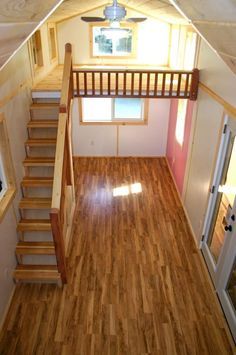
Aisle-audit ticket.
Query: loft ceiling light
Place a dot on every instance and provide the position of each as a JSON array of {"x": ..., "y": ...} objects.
[{"x": 114, "y": 14}]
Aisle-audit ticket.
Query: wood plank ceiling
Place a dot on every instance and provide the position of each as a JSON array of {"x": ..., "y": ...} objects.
[
  {"x": 159, "y": 9},
  {"x": 216, "y": 22},
  {"x": 18, "y": 19}
]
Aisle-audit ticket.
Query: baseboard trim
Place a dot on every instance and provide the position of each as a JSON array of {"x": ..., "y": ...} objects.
[{"x": 120, "y": 156}]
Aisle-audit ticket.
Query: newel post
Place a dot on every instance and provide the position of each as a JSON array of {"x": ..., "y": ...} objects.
[{"x": 194, "y": 85}]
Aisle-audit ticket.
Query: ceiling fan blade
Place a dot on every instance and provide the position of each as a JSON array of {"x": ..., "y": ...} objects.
[
  {"x": 92, "y": 19},
  {"x": 136, "y": 19}
]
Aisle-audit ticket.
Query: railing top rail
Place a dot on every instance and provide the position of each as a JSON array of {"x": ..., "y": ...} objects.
[{"x": 145, "y": 71}]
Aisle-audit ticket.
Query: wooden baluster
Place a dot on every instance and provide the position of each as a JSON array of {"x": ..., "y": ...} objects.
[
  {"x": 140, "y": 83},
  {"x": 85, "y": 83},
  {"x": 179, "y": 85},
  {"x": 132, "y": 84},
  {"x": 171, "y": 84},
  {"x": 101, "y": 84},
  {"x": 186, "y": 94},
  {"x": 155, "y": 85},
  {"x": 163, "y": 85},
  {"x": 77, "y": 83},
  {"x": 148, "y": 84},
  {"x": 124, "y": 84},
  {"x": 93, "y": 83},
  {"x": 109, "y": 83},
  {"x": 117, "y": 84},
  {"x": 194, "y": 85}
]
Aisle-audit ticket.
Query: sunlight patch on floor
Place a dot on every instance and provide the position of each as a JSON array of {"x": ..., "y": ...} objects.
[{"x": 127, "y": 189}]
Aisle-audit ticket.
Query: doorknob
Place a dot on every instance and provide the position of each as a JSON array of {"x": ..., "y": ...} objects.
[{"x": 228, "y": 228}]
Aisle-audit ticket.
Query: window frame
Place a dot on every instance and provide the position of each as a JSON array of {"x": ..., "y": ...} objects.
[
  {"x": 117, "y": 122},
  {"x": 132, "y": 26},
  {"x": 53, "y": 51},
  {"x": 8, "y": 170}
]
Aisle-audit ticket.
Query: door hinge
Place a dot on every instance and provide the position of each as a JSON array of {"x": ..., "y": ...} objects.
[
  {"x": 224, "y": 129},
  {"x": 203, "y": 236},
  {"x": 212, "y": 189}
]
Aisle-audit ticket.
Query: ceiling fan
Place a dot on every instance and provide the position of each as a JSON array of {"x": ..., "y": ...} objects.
[{"x": 113, "y": 13}]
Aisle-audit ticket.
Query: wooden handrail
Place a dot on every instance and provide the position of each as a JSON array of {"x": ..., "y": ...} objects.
[
  {"x": 63, "y": 182},
  {"x": 147, "y": 83}
]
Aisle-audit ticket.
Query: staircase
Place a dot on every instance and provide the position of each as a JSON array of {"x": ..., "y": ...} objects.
[{"x": 35, "y": 250}]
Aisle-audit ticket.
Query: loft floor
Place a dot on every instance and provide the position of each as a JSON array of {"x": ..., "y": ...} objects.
[
  {"x": 137, "y": 284},
  {"x": 135, "y": 81}
]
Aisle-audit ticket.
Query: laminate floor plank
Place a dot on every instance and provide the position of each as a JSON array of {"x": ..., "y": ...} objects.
[{"x": 136, "y": 281}]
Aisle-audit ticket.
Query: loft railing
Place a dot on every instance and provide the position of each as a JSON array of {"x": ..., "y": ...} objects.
[
  {"x": 63, "y": 195},
  {"x": 136, "y": 83}
]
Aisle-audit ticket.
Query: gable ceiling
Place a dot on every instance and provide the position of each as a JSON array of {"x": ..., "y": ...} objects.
[
  {"x": 159, "y": 9},
  {"x": 215, "y": 20}
]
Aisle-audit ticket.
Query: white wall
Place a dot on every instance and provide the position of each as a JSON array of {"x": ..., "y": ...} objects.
[
  {"x": 216, "y": 74},
  {"x": 152, "y": 41},
  {"x": 104, "y": 140},
  {"x": 207, "y": 121},
  {"x": 204, "y": 148}
]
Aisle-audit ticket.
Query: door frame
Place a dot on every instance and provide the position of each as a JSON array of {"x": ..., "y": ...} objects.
[{"x": 225, "y": 138}]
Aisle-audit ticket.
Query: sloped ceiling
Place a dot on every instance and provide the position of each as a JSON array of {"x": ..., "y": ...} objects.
[
  {"x": 18, "y": 19},
  {"x": 215, "y": 20},
  {"x": 159, "y": 9}
]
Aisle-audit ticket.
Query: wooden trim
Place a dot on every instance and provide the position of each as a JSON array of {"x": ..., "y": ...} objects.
[
  {"x": 54, "y": 27},
  {"x": 231, "y": 110},
  {"x": 8, "y": 168}
]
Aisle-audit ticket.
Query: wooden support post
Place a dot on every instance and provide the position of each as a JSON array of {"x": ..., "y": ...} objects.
[
  {"x": 59, "y": 243},
  {"x": 194, "y": 85}
]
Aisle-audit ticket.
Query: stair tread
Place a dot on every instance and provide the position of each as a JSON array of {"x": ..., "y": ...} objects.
[
  {"x": 35, "y": 248},
  {"x": 37, "y": 181},
  {"x": 42, "y": 123},
  {"x": 39, "y": 105},
  {"x": 38, "y": 161},
  {"x": 34, "y": 225},
  {"x": 35, "y": 202},
  {"x": 41, "y": 141},
  {"x": 36, "y": 272}
]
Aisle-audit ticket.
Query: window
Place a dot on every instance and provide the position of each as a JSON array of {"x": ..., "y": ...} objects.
[
  {"x": 37, "y": 49},
  {"x": 113, "y": 42},
  {"x": 113, "y": 110},
  {"x": 52, "y": 41},
  {"x": 7, "y": 180}
]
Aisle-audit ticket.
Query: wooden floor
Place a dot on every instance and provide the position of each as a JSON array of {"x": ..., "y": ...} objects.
[{"x": 137, "y": 284}]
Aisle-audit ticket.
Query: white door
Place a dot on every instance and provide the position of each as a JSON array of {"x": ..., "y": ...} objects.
[{"x": 219, "y": 242}]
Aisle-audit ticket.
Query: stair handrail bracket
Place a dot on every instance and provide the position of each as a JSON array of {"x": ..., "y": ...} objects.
[{"x": 63, "y": 193}]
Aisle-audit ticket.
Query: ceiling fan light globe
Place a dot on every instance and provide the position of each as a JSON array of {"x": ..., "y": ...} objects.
[{"x": 114, "y": 13}]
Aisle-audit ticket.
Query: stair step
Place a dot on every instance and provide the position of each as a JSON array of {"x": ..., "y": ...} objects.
[
  {"x": 34, "y": 225},
  {"x": 36, "y": 272},
  {"x": 37, "y": 182},
  {"x": 37, "y": 203},
  {"x": 39, "y": 161},
  {"x": 42, "y": 124},
  {"x": 35, "y": 248},
  {"x": 42, "y": 105},
  {"x": 40, "y": 142}
]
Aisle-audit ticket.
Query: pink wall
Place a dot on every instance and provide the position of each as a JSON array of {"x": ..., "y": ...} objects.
[{"x": 177, "y": 154}]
